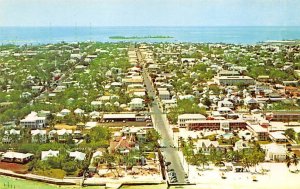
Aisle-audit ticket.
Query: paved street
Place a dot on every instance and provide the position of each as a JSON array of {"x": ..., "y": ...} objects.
[{"x": 161, "y": 125}]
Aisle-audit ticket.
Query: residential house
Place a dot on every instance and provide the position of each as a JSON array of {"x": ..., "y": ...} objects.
[
  {"x": 11, "y": 136},
  {"x": 137, "y": 104},
  {"x": 16, "y": 157},
  {"x": 77, "y": 155},
  {"x": 38, "y": 136},
  {"x": 206, "y": 146},
  {"x": 33, "y": 121},
  {"x": 50, "y": 153},
  {"x": 275, "y": 152}
]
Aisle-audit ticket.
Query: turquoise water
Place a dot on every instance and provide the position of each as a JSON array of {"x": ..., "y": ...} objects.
[
  {"x": 240, "y": 35},
  {"x": 14, "y": 183}
]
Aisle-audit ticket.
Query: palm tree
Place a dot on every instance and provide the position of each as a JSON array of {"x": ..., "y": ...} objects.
[
  {"x": 295, "y": 161},
  {"x": 202, "y": 159},
  {"x": 288, "y": 162},
  {"x": 180, "y": 142}
]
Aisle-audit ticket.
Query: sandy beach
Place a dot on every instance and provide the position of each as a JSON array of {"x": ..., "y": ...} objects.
[{"x": 278, "y": 176}]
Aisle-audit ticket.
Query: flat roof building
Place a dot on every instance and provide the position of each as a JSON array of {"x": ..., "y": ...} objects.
[{"x": 183, "y": 118}]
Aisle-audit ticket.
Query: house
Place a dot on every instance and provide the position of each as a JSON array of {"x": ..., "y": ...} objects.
[
  {"x": 275, "y": 152},
  {"x": 164, "y": 95},
  {"x": 91, "y": 124},
  {"x": 63, "y": 135},
  {"x": 240, "y": 145},
  {"x": 136, "y": 104},
  {"x": 206, "y": 145},
  {"x": 38, "y": 136},
  {"x": 183, "y": 118},
  {"x": 168, "y": 104},
  {"x": 33, "y": 121},
  {"x": 77, "y": 155},
  {"x": 46, "y": 154},
  {"x": 225, "y": 103},
  {"x": 251, "y": 102},
  {"x": 16, "y": 157},
  {"x": 79, "y": 112},
  {"x": 122, "y": 144},
  {"x": 77, "y": 135},
  {"x": 11, "y": 136},
  {"x": 278, "y": 137},
  {"x": 65, "y": 112},
  {"x": 95, "y": 158},
  {"x": 138, "y": 133},
  {"x": 224, "y": 110}
]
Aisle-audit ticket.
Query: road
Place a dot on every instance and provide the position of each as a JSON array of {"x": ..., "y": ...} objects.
[{"x": 162, "y": 126}]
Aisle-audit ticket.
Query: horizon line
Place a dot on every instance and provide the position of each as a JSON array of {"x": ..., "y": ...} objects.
[{"x": 156, "y": 26}]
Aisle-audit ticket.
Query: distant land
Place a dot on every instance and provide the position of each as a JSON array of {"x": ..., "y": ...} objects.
[
  {"x": 218, "y": 34},
  {"x": 141, "y": 37}
]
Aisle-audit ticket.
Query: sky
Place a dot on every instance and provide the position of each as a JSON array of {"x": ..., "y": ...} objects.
[{"x": 149, "y": 13}]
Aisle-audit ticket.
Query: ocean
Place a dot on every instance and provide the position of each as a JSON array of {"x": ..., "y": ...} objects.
[{"x": 232, "y": 35}]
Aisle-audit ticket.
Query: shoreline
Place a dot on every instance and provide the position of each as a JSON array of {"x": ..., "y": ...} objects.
[{"x": 77, "y": 182}]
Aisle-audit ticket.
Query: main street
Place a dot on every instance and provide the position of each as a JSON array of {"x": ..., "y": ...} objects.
[{"x": 162, "y": 126}]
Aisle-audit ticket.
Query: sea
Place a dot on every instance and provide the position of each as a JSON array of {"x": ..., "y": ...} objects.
[{"x": 229, "y": 35}]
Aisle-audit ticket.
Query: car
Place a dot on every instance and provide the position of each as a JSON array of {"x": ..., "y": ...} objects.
[
  {"x": 170, "y": 170},
  {"x": 186, "y": 176},
  {"x": 149, "y": 125},
  {"x": 172, "y": 175},
  {"x": 167, "y": 163}
]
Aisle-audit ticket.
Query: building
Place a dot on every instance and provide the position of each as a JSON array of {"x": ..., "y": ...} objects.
[
  {"x": 16, "y": 157},
  {"x": 275, "y": 152},
  {"x": 46, "y": 154},
  {"x": 206, "y": 145},
  {"x": 183, "y": 118},
  {"x": 235, "y": 80},
  {"x": 137, "y": 104},
  {"x": 123, "y": 117},
  {"x": 33, "y": 121},
  {"x": 164, "y": 95},
  {"x": 11, "y": 136},
  {"x": 258, "y": 131},
  {"x": 284, "y": 116},
  {"x": 278, "y": 137},
  {"x": 38, "y": 136},
  {"x": 77, "y": 155},
  {"x": 228, "y": 73},
  {"x": 227, "y": 125}
]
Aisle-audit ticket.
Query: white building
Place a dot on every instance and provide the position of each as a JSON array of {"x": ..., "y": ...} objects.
[
  {"x": 77, "y": 155},
  {"x": 46, "y": 154},
  {"x": 234, "y": 80},
  {"x": 277, "y": 137},
  {"x": 225, "y": 103},
  {"x": 164, "y": 95},
  {"x": 136, "y": 104},
  {"x": 38, "y": 136},
  {"x": 33, "y": 121},
  {"x": 275, "y": 152},
  {"x": 183, "y": 118}
]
